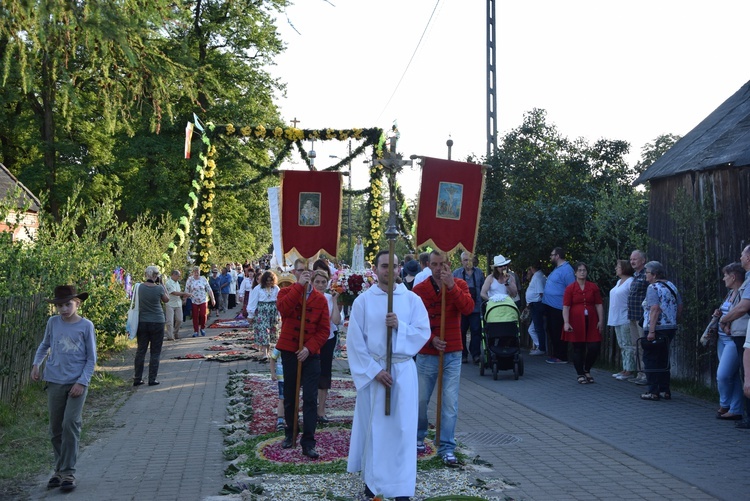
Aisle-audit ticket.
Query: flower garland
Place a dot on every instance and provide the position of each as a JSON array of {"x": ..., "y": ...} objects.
[
  {"x": 206, "y": 185},
  {"x": 375, "y": 212},
  {"x": 289, "y": 136}
]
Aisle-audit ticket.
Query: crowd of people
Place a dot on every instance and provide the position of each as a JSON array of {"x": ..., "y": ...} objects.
[{"x": 434, "y": 325}]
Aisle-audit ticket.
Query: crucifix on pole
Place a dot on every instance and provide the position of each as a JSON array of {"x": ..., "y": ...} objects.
[{"x": 392, "y": 162}]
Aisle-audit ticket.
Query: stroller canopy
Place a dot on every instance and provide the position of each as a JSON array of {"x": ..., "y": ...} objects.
[{"x": 501, "y": 311}]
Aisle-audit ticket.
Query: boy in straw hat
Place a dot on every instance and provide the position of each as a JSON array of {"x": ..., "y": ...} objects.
[{"x": 69, "y": 345}]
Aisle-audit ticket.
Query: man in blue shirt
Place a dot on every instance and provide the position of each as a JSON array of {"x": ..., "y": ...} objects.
[
  {"x": 474, "y": 278},
  {"x": 557, "y": 281}
]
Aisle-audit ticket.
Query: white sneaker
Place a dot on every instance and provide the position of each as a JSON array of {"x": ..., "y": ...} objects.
[{"x": 536, "y": 352}]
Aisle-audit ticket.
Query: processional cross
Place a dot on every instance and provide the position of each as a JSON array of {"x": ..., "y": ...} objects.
[{"x": 392, "y": 162}]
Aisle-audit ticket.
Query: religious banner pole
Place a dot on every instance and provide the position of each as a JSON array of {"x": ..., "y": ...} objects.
[
  {"x": 310, "y": 205},
  {"x": 441, "y": 357},
  {"x": 295, "y": 426},
  {"x": 450, "y": 202},
  {"x": 392, "y": 162}
]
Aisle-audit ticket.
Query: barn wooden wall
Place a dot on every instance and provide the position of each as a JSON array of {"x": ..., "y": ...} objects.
[{"x": 726, "y": 191}]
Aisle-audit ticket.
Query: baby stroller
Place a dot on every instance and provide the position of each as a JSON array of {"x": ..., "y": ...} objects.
[{"x": 500, "y": 348}]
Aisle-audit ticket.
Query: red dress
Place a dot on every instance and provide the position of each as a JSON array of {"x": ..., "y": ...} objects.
[{"x": 580, "y": 301}]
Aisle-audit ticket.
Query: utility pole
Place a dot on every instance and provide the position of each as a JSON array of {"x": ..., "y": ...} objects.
[{"x": 491, "y": 82}]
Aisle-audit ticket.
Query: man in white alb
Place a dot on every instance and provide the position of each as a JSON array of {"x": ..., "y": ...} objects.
[{"x": 382, "y": 447}]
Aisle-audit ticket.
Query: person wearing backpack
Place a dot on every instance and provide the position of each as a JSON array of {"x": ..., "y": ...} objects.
[{"x": 661, "y": 312}]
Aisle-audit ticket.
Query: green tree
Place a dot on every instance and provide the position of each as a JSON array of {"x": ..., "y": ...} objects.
[
  {"x": 81, "y": 71},
  {"x": 537, "y": 194},
  {"x": 651, "y": 152}
]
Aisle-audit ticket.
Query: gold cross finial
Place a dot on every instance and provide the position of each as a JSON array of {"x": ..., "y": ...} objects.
[{"x": 295, "y": 122}]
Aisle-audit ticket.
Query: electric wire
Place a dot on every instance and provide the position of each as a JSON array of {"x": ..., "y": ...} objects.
[{"x": 419, "y": 43}]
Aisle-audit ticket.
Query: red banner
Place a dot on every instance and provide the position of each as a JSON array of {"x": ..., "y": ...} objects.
[
  {"x": 310, "y": 212},
  {"x": 450, "y": 201}
]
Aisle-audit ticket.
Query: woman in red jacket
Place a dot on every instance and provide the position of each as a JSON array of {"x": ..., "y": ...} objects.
[{"x": 583, "y": 315}]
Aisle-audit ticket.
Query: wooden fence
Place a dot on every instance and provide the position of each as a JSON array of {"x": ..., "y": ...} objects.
[{"x": 22, "y": 323}]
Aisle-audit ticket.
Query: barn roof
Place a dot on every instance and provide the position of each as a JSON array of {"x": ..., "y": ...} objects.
[
  {"x": 721, "y": 140},
  {"x": 8, "y": 182}
]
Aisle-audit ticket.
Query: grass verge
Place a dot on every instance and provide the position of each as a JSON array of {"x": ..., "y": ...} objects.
[{"x": 25, "y": 449}]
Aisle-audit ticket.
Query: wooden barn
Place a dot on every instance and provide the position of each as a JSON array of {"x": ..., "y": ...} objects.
[
  {"x": 699, "y": 210},
  {"x": 24, "y": 221},
  {"x": 712, "y": 164}
]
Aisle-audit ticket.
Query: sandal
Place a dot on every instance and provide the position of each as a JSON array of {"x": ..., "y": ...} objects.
[
  {"x": 589, "y": 378},
  {"x": 722, "y": 410},
  {"x": 583, "y": 380},
  {"x": 650, "y": 396}
]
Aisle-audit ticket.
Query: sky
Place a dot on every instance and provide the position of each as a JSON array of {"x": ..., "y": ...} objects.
[{"x": 601, "y": 69}]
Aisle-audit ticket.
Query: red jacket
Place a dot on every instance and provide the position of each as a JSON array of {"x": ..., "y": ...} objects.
[
  {"x": 458, "y": 302},
  {"x": 317, "y": 323}
]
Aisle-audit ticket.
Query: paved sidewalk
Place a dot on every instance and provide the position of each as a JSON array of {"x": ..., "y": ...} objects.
[
  {"x": 547, "y": 437},
  {"x": 166, "y": 444}
]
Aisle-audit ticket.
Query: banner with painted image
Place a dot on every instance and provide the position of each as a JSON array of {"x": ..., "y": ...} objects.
[
  {"x": 310, "y": 212},
  {"x": 450, "y": 201}
]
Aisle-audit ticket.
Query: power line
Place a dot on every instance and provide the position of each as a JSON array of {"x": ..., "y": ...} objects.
[{"x": 410, "y": 61}]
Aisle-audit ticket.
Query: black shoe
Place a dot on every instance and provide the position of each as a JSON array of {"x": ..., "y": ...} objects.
[
  {"x": 402, "y": 498},
  {"x": 743, "y": 425},
  {"x": 323, "y": 419},
  {"x": 287, "y": 443},
  {"x": 138, "y": 383},
  {"x": 311, "y": 453},
  {"x": 368, "y": 492},
  {"x": 152, "y": 383}
]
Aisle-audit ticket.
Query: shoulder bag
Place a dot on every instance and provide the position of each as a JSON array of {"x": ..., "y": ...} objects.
[{"x": 132, "y": 324}]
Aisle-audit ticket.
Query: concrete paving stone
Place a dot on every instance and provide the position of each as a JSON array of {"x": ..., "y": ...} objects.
[{"x": 575, "y": 443}]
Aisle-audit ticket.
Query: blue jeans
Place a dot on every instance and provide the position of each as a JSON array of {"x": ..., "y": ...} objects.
[
  {"x": 728, "y": 375},
  {"x": 427, "y": 369}
]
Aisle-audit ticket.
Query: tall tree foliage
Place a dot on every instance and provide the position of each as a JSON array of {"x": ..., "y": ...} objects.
[
  {"x": 80, "y": 71},
  {"x": 99, "y": 93},
  {"x": 544, "y": 190}
]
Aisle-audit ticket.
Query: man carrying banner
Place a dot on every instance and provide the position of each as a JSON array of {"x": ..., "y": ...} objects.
[
  {"x": 381, "y": 446},
  {"x": 317, "y": 327},
  {"x": 458, "y": 302}
]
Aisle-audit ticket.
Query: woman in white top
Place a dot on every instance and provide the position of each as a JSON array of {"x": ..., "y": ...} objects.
[
  {"x": 618, "y": 318},
  {"x": 320, "y": 282},
  {"x": 501, "y": 281},
  {"x": 262, "y": 307}
]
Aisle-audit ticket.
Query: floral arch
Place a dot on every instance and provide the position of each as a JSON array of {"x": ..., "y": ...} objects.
[{"x": 204, "y": 187}]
